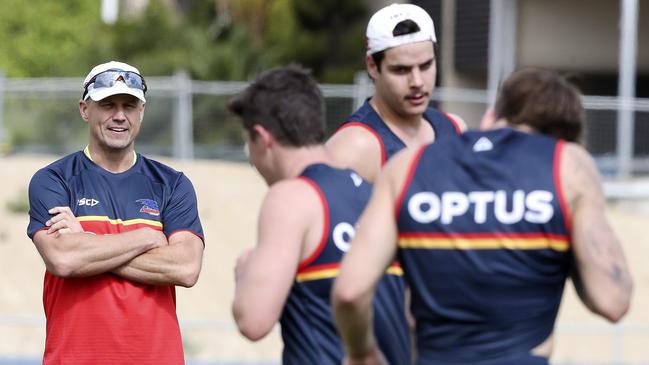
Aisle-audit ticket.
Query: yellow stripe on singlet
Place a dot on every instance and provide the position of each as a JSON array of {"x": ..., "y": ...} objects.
[
  {"x": 485, "y": 243},
  {"x": 332, "y": 272}
]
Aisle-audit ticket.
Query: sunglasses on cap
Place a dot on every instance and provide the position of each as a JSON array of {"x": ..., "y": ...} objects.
[{"x": 108, "y": 78}]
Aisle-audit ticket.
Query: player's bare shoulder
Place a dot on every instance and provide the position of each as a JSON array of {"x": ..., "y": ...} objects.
[
  {"x": 295, "y": 198},
  {"x": 579, "y": 177},
  {"x": 354, "y": 138},
  {"x": 458, "y": 122},
  {"x": 356, "y": 147}
]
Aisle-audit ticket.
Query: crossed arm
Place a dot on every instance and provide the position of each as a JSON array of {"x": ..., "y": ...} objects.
[
  {"x": 143, "y": 255},
  {"x": 178, "y": 263}
]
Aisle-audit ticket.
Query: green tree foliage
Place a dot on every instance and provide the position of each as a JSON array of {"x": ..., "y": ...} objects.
[
  {"x": 210, "y": 39},
  {"x": 217, "y": 39},
  {"x": 164, "y": 39},
  {"x": 19, "y": 203},
  {"x": 325, "y": 35},
  {"x": 46, "y": 38},
  {"x": 242, "y": 37}
]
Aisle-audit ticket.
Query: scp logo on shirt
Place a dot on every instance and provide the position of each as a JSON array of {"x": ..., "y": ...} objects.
[{"x": 87, "y": 202}]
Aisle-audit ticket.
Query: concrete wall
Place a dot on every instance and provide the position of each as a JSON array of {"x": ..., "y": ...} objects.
[
  {"x": 565, "y": 35},
  {"x": 576, "y": 35},
  {"x": 573, "y": 35}
]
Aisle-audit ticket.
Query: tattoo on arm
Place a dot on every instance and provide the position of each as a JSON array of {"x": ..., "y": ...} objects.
[
  {"x": 593, "y": 242},
  {"x": 616, "y": 273}
]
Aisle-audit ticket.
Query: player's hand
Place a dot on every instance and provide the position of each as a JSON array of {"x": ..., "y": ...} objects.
[
  {"x": 153, "y": 237},
  {"x": 63, "y": 221},
  {"x": 374, "y": 357},
  {"x": 242, "y": 263}
]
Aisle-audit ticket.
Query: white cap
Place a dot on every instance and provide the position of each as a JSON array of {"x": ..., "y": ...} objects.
[
  {"x": 97, "y": 94},
  {"x": 381, "y": 25}
]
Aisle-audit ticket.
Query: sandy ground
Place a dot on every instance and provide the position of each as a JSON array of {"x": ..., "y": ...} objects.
[{"x": 229, "y": 196}]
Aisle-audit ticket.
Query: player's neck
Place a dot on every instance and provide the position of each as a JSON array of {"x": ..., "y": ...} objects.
[
  {"x": 503, "y": 123},
  {"x": 412, "y": 131},
  {"x": 295, "y": 160},
  {"x": 114, "y": 161}
]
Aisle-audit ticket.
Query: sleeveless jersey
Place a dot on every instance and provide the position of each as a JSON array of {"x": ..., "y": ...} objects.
[
  {"x": 308, "y": 328},
  {"x": 484, "y": 243},
  {"x": 106, "y": 319},
  {"x": 368, "y": 118}
]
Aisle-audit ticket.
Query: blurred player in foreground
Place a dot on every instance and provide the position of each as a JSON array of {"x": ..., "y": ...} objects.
[
  {"x": 305, "y": 224},
  {"x": 488, "y": 227}
]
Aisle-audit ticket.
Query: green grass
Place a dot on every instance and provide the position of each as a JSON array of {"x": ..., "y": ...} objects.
[{"x": 19, "y": 204}]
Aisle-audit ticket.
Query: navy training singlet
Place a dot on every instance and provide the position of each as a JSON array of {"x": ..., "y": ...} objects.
[
  {"x": 484, "y": 243},
  {"x": 368, "y": 118},
  {"x": 308, "y": 328}
]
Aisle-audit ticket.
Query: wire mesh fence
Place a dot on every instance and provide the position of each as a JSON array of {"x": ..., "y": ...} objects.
[{"x": 189, "y": 119}]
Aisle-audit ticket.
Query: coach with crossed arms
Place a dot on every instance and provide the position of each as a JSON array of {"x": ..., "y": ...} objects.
[{"x": 117, "y": 231}]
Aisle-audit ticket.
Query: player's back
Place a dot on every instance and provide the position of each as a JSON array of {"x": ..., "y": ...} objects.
[
  {"x": 308, "y": 328},
  {"x": 484, "y": 241}
]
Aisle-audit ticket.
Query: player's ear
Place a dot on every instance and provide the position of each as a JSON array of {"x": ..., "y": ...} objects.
[
  {"x": 372, "y": 67},
  {"x": 264, "y": 135},
  {"x": 83, "y": 110}
]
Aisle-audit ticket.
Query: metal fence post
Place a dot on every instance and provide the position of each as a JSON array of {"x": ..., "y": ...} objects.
[
  {"x": 183, "y": 132},
  {"x": 362, "y": 88},
  {"x": 503, "y": 15},
  {"x": 626, "y": 86},
  {"x": 618, "y": 344}
]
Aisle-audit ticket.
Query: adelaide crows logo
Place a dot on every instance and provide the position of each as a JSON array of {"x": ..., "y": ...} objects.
[{"x": 149, "y": 206}]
